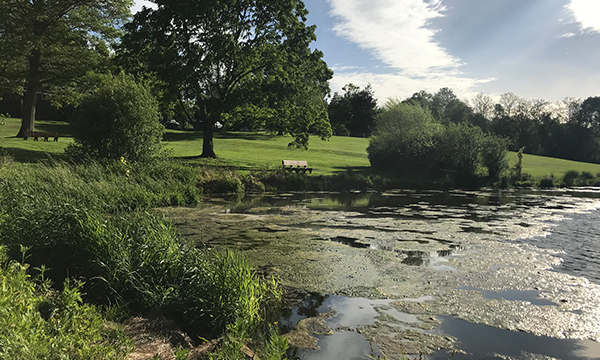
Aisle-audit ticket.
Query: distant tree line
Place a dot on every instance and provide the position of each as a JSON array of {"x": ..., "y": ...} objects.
[{"x": 569, "y": 129}]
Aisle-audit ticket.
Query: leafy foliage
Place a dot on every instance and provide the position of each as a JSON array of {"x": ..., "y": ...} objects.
[
  {"x": 51, "y": 46},
  {"x": 118, "y": 120},
  {"x": 39, "y": 323},
  {"x": 354, "y": 112},
  {"x": 408, "y": 142},
  {"x": 493, "y": 155},
  {"x": 216, "y": 56},
  {"x": 404, "y": 140}
]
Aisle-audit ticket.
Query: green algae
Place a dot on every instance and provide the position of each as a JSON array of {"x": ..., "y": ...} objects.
[
  {"x": 303, "y": 336},
  {"x": 456, "y": 264}
]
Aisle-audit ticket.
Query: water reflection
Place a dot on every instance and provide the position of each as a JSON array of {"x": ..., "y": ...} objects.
[
  {"x": 486, "y": 342},
  {"x": 386, "y": 202}
]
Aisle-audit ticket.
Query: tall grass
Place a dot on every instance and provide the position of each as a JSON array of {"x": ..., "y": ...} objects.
[
  {"x": 108, "y": 187},
  {"x": 94, "y": 223}
]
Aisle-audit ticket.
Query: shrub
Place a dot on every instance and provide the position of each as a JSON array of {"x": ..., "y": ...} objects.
[
  {"x": 410, "y": 144},
  {"x": 458, "y": 152},
  {"x": 119, "y": 119},
  {"x": 570, "y": 178},
  {"x": 547, "y": 182},
  {"x": 493, "y": 155},
  {"x": 404, "y": 140}
]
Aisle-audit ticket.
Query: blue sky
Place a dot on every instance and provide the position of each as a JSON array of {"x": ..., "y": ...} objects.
[{"x": 543, "y": 49}]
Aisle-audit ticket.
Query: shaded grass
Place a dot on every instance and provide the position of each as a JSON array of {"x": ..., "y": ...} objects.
[{"x": 29, "y": 150}]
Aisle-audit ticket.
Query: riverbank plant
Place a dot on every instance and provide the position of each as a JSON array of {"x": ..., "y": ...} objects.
[
  {"x": 37, "y": 322},
  {"x": 96, "y": 224}
]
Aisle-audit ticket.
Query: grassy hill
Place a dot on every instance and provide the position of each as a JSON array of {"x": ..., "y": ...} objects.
[{"x": 248, "y": 151}]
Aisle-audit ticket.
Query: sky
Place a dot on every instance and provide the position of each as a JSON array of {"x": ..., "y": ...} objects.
[{"x": 537, "y": 49}]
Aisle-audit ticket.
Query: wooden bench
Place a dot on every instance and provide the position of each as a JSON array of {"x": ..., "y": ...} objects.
[
  {"x": 297, "y": 166},
  {"x": 38, "y": 134}
]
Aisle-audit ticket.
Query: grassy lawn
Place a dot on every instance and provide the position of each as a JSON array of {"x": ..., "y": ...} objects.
[
  {"x": 256, "y": 150},
  {"x": 539, "y": 166},
  {"x": 248, "y": 151},
  {"x": 29, "y": 150}
]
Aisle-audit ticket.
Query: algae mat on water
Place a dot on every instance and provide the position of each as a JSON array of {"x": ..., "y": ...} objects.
[{"x": 462, "y": 258}]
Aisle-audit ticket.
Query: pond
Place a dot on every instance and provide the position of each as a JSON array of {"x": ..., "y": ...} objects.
[{"x": 422, "y": 274}]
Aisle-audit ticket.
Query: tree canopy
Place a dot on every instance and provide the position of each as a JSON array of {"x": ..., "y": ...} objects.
[
  {"x": 216, "y": 57},
  {"x": 354, "y": 112},
  {"x": 48, "y": 46}
]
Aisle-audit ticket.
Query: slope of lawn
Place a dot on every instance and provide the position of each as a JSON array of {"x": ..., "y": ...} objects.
[
  {"x": 539, "y": 166},
  {"x": 248, "y": 151}
]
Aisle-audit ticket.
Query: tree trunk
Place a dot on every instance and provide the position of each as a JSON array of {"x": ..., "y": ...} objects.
[
  {"x": 30, "y": 98},
  {"x": 208, "y": 150}
]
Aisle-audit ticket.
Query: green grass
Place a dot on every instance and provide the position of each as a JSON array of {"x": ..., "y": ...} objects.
[
  {"x": 29, "y": 150},
  {"x": 249, "y": 151},
  {"x": 539, "y": 166},
  {"x": 255, "y": 150}
]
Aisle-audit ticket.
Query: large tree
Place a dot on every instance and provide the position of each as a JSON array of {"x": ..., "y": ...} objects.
[
  {"x": 354, "y": 112},
  {"x": 48, "y": 46},
  {"x": 222, "y": 58}
]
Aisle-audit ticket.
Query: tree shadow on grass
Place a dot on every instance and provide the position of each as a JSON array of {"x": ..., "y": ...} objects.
[
  {"x": 196, "y": 160},
  {"x": 244, "y": 135},
  {"x": 61, "y": 128},
  {"x": 28, "y": 156},
  {"x": 357, "y": 170},
  {"x": 182, "y": 136},
  {"x": 196, "y": 135}
]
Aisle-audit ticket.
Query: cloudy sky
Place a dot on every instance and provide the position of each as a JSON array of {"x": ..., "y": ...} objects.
[{"x": 546, "y": 49}]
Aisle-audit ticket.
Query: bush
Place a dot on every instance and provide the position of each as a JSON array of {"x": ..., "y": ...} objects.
[
  {"x": 493, "y": 155},
  {"x": 547, "y": 182},
  {"x": 458, "y": 153},
  {"x": 404, "y": 140},
  {"x": 408, "y": 143},
  {"x": 570, "y": 178},
  {"x": 118, "y": 120}
]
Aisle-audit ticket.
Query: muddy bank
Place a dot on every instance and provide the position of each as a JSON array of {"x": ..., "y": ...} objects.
[{"x": 458, "y": 251}]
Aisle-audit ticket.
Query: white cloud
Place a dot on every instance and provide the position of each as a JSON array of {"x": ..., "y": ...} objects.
[
  {"x": 137, "y": 6},
  {"x": 338, "y": 67},
  {"x": 398, "y": 33},
  {"x": 586, "y": 13},
  {"x": 399, "y": 85},
  {"x": 566, "y": 35}
]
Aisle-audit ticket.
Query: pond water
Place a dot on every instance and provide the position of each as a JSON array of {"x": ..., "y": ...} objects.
[{"x": 423, "y": 274}]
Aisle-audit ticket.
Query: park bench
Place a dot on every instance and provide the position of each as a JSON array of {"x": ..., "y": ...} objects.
[
  {"x": 297, "y": 166},
  {"x": 38, "y": 134}
]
